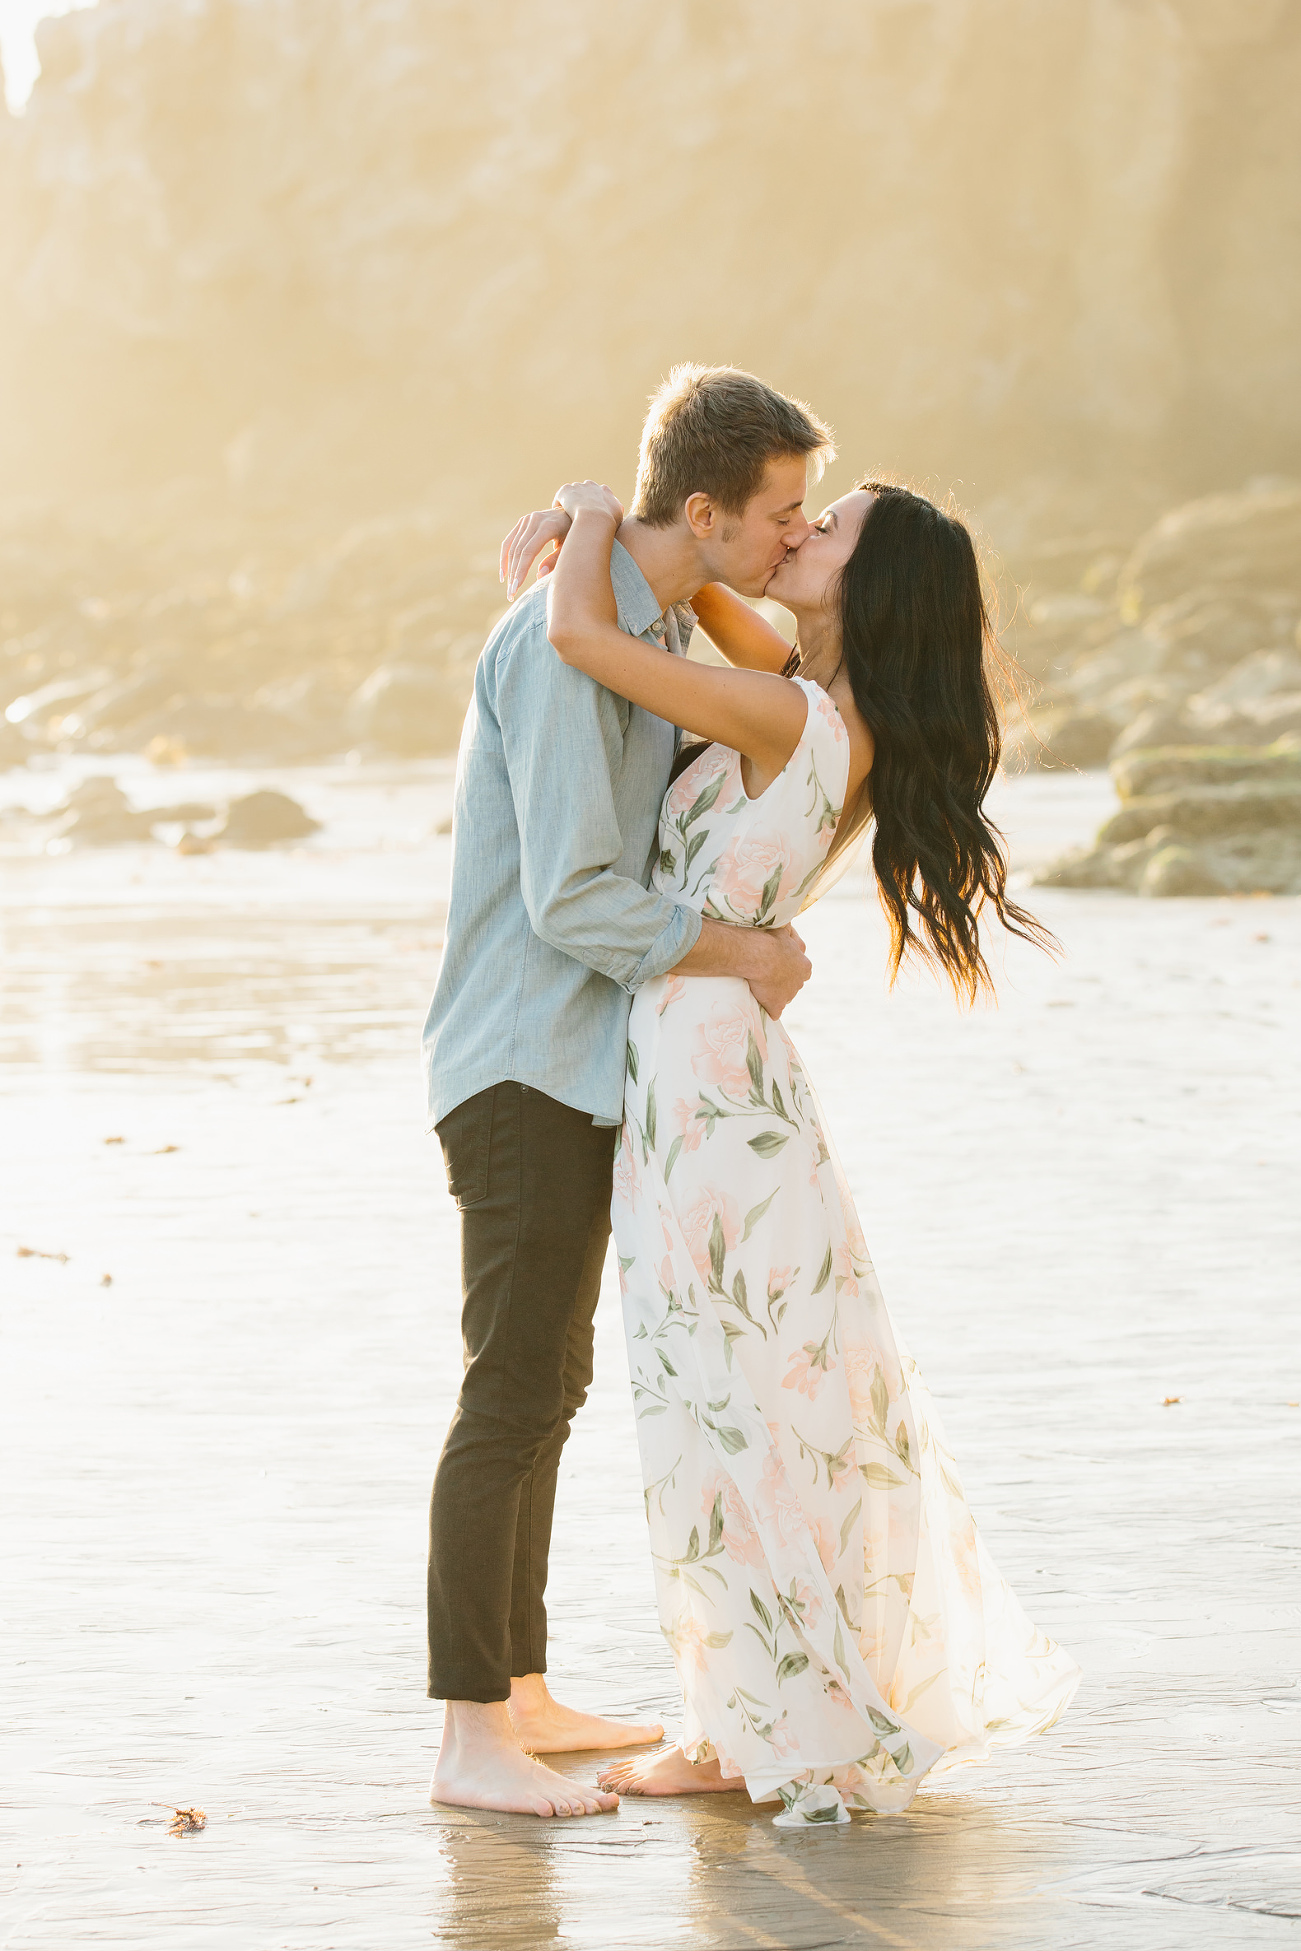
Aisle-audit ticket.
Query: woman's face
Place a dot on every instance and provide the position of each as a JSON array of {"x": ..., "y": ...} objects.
[{"x": 804, "y": 580}]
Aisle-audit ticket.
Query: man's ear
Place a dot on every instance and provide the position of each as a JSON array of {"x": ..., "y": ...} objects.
[{"x": 702, "y": 518}]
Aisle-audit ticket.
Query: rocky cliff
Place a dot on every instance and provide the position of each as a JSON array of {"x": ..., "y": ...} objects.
[
  {"x": 302, "y": 300},
  {"x": 386, "y": 246}
]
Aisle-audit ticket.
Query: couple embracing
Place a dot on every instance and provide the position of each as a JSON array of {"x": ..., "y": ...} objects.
[{"x": 605, "y": 1048}]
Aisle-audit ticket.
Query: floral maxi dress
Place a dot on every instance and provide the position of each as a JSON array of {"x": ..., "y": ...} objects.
[{"x": 838, "y": 1626}]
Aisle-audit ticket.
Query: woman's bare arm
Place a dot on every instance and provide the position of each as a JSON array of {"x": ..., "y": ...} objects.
[
  {"x": 738, "y": 631},
  {"x": 757, "y": 713}
]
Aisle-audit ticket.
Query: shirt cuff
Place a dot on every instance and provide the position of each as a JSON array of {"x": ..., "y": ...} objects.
[{"x": 668, "y": 948}]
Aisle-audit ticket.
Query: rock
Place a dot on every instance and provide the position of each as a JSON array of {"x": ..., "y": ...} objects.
[
  {"x": 442, "y": 242},
  {"x": 1141, "y": 774},
  {"x": 1251, "y": 540},
  {"x": 1159, "y": 725},
  {"x": 1179, "y": 870},
  {"x": 98, "y": 814},
  {"x": 262, "y": 818},
  {"x": 1197, "y": 820},
  {"x": 1208, "y": 812},
  {"x": 407, "y": 710},
  {"x": 1077, "y": 740}
]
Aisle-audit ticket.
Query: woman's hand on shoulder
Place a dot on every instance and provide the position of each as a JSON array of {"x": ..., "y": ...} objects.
[
  {"x": 542, "y": 532},
  {"x": 590, "y": 498}
]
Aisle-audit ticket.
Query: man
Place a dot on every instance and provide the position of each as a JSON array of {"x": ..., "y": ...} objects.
[{"x": 551, "y": 926}]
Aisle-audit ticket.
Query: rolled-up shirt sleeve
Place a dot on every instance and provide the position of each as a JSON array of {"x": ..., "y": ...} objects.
[{"x": 562, "y": 738}]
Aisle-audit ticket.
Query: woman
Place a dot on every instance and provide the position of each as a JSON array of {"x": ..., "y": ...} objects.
[{"x": 837, "y": 1624}]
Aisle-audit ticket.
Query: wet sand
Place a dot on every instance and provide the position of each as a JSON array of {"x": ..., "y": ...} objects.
[{"x": 216, "y": 1469}]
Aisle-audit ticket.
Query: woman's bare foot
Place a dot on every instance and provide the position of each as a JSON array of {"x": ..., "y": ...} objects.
[
  {"x": 669, "y": 1773},
  {"x": 482, "y": 1766},
  {"x": 544, "y": 1727}
]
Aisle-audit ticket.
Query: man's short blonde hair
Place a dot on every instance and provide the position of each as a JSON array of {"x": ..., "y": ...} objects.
[{"x": 713, "y": 430}]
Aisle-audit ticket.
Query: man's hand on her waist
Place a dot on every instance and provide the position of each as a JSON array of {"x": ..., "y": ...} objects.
[
  {"x": 788, "y": 971},
  {"x": 771, "y": 960}
]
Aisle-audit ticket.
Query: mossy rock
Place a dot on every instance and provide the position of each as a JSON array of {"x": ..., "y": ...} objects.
[
  {"x": 1172, "y": 768},
  {"x": 1213, "y": 813}
]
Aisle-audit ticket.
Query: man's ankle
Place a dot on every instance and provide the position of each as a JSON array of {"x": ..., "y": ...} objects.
[{"x": 475, "y": 1721}]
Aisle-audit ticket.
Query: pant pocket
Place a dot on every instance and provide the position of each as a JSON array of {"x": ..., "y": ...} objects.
[{"x": 466, "y": 1138}]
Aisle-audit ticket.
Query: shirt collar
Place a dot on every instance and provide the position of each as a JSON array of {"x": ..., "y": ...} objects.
[{"x": 633, "y": 596}]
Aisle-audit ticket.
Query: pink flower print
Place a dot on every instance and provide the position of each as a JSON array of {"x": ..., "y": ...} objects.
[
  {"x": 698, "y": 1226},
  {"x": 807, "y": 1604},
  {"x": 782, "y": 1741},
  {"x": 740, "y": 1539},
  {"x": 827, "y": 1542},
  {"x": 689, "y": 785},
  {"x": 776, "y": 1501},
  {"x": 809, "y": 1369},
  {"x": 837, "y": 1695},
  {"x": 723, "y": 1046},
  {"x": 778, "y": 1281},
  {"x": 843, "y": 1265},
  {"x": 860, "y": 1372},
  {"x": 675, "y": 989},
  {"x": 687, "y": 1638},
  {"x": 826, "y": 709},
  {"x": 627, "y": 1179},
  {"x": 747, "y": 868},
  {"x": 842, "y": 1466},
  {"x": 691, "y": 1129}
]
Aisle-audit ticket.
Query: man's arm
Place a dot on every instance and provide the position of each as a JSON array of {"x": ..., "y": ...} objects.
[
  {"x": 562, "y": 738},
  {"x": 771, "y": 960}
]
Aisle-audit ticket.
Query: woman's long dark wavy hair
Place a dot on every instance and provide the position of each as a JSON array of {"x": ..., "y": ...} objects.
[{"x": 920, "y": 652}]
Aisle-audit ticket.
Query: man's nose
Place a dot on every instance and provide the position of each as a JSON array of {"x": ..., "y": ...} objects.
[{"x": 798, "y": 531}]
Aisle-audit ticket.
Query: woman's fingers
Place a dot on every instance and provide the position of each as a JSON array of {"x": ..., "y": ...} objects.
[{"x": 503, "y": 561}]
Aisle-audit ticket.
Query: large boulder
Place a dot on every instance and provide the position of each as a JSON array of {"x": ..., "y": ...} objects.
[
  {"x": 264, "y": 818},
  {"x": 1196, "y": 821},
  {"x": 1250, "y": 541}
]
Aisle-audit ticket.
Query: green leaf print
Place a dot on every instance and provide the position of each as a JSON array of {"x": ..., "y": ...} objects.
[
  {"x": 694, "y": 845},
  {"x": 755, "y": 1214},
  {"x": 901, "y": 1446},
  {"x": 732, "y": 1440},
  {"x": 668, "y": 862},
  {"x": 838, "y": 1649},
  {"x": 880, "y": 1476},
  {"x": 666, "y": 1364},
  {"x": 632, "y": 1061},
  {"x": 880, "y": 1400},
  {"x": 650, "y": 1113},
  {"x": 718, "y": 1639},
  {"x": 770, "y": 888},
  {"x": 790, "y": 1665},
  {"x": 702, "y": 803},
  {"x": 754, "y": 1064},
  {"x": 849, "y": 1524},
  {"x": 824, "y": 1274},
  {"x": 882, "y": 1722},
  {"x": 675, "y": 1150},
  {"x": 778, "y": 1101},
  {"x": 716, "y": 1524},
  {"x": 717, "y": 1254},
  {"x": 760, "y": 1610},
  {"x": 627, "y": 1260},
  {"x": 768, "y": 1143},
  {"x": 902, "y": 1758}
]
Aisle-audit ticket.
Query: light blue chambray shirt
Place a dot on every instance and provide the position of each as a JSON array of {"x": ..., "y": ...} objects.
[{"x": 550, "y": 924}]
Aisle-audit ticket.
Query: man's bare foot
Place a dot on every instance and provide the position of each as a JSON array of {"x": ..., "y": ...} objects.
[
  {"x": 482, "y": 1766},
  {"x": 669, "y": 1773},
  {"x": 544, "y": 1727}
]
